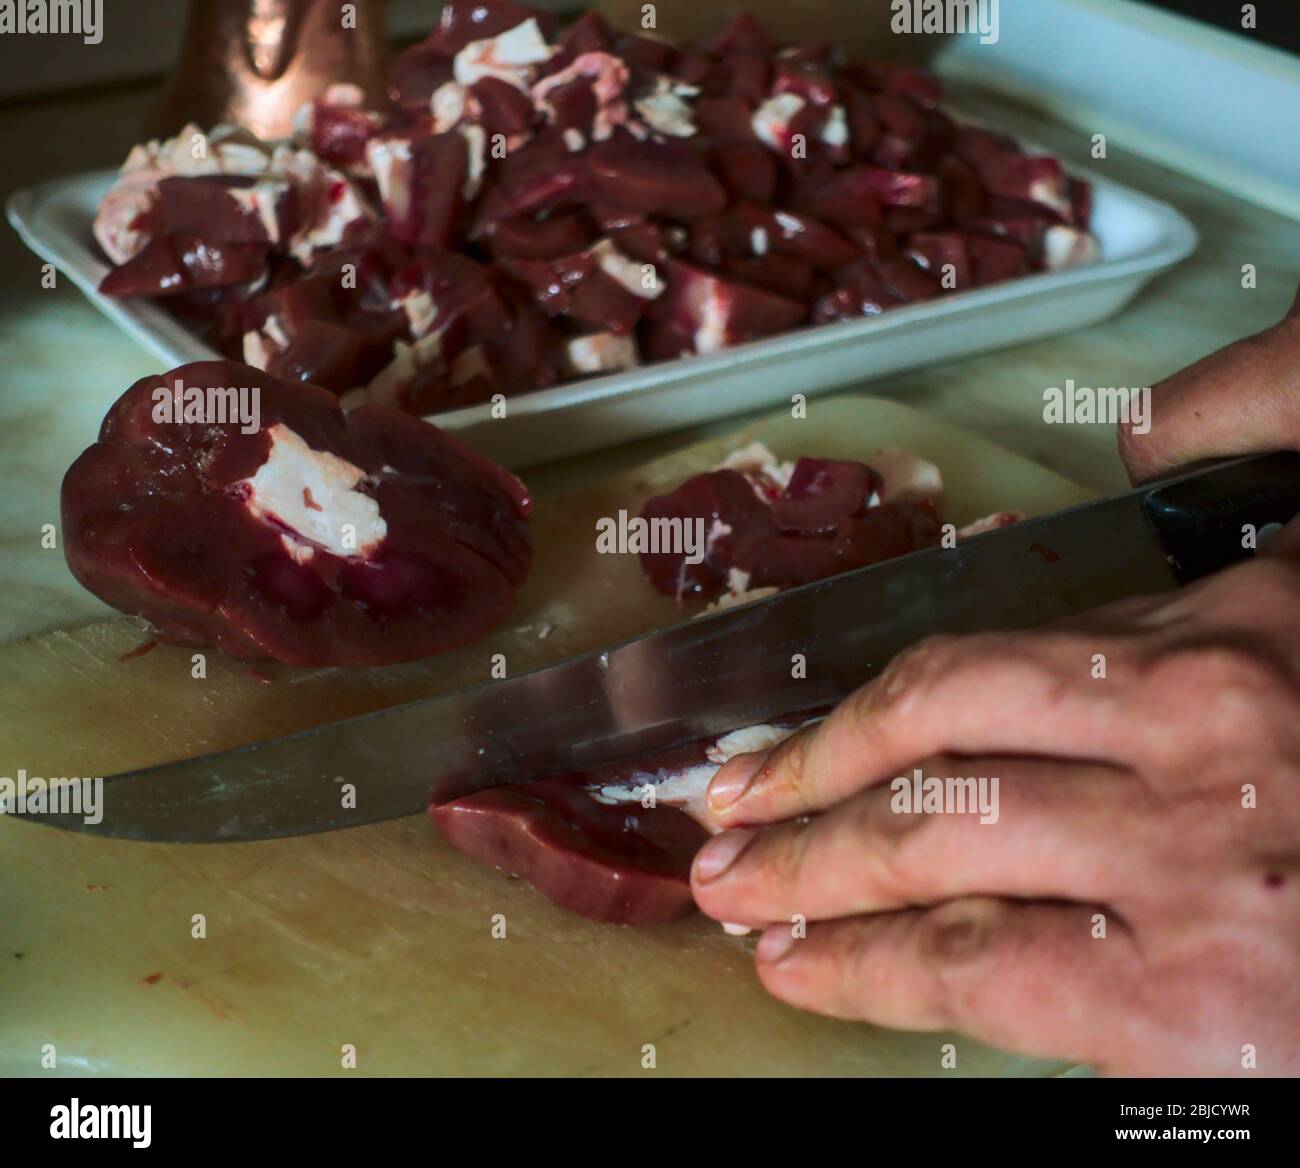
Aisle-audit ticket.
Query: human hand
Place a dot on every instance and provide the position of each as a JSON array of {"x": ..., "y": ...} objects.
[{"x": 1136, "y": 905}]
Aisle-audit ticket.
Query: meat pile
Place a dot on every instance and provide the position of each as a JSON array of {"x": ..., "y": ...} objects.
[
  {"x": 536, "y": 206},
  {"x": 771, "y": 525},
  {"x": 616, "y": 844},
  {"x": 290, "y": 530}
]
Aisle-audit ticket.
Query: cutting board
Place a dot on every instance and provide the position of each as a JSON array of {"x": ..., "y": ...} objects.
[{"x": 382, "y": 941}]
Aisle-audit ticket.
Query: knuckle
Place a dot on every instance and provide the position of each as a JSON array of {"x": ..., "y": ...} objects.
[
  {"x": 794, "y": 759},
  {"x": 913, "y": 670},
  {"x": 960, "y": 934},
  {"x": 1231, "y": 695},
  {"x": 955, "y": 944},
  {"x": 904, "y": 844},
  {"x": 1236, "y": 667},
  {"x": 784, "y": 862}
]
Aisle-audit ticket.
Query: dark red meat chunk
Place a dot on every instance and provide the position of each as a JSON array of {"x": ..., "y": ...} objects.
[
  {"x": 162, "y": 520},
  {"x": 827, "y": 519},
  {"x": 594, "y": 843},
  {"x": 622, "y": 864}
]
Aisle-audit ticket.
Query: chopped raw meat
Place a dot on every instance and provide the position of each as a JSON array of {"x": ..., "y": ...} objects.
[
  {"x": 745, "y": 188},
  {"x": 771, "y": 525}
]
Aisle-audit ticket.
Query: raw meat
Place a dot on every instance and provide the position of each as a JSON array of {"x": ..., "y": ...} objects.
[
  {"x": 229, "y": 508},
  {"x": 595, "y": 843},
  {"x": 771, "y": 525},
  {"x": 620, "y": 198}
]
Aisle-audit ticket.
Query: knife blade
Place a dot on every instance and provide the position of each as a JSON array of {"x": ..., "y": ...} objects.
[{"x": 704, "y": 677}]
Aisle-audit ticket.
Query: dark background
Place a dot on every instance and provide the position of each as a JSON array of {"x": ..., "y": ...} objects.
[{"x": 1276, "y": 21}]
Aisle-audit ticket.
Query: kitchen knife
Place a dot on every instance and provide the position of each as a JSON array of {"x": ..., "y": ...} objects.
[{"x": 735, "y": 668}]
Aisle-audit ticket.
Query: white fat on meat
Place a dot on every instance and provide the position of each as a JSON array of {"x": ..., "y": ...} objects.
[
  {"x": 665, "y": 108},
  {"x": 391, "y": 382},
  {"x": 989, "y": 523},
  {"x": 390, "y": 162},
  {"x": 262, "y": 345},
  {"x": 835, "y": 132},
  {"x": 1051, "y": 192},
  {"x": 738, "y": 592},
  {"x": 448, "y": 104},
  {"x": 420, "y": 311},
  {"x": 608, "y": 76},
  {"x": 191, "y": 152},
  {"x": 510, "y": 57},
  {"x": 601, "y": 353},
  {"x": 475, "y": 138},
  {"x": 771, "y": 121},
  {"x": 687, "y": 789},
  {"x": 226, "y": 150},
  {"x": 263, "y": 200},
  {"x": 313, "y": 494},
  {"x": 756, "y": 461},
  {"x": 626, "y": 271},
  {"x": 328, "y": 201},
  {"x": 714, "y": 316},
  {"x": 907, "y": 478},
  {"x": 469, "y": 364},
  {"x": 1068, "y": 247}
]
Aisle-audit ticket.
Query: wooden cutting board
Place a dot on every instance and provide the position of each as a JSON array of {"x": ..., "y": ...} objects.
[{"x": 382, "y": 938}]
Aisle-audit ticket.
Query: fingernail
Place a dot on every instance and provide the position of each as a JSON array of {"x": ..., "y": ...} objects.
[
  {"x": 720, "y": 853},
  {"x": 775, "y": 944},
  {"x": 734, "y": 779}
]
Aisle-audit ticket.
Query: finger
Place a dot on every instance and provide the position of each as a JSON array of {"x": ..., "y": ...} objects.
[
  {"x": 995, "y": 693},
  {"x": 1034, "y": 978},
  {"x": 1285, "y": 545},
  {"x": 1242, "y": 399},
  {"x": 1007, "y": 827}
]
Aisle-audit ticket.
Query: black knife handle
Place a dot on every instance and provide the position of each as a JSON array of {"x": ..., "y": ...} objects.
[{"x": 1200, "y": 520}]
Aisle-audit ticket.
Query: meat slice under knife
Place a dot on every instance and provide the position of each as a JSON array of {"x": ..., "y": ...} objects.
[{"x": 615, "y": 844}]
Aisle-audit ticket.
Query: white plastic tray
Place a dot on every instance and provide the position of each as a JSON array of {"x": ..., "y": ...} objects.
[{"x": 1139, "y": 236}]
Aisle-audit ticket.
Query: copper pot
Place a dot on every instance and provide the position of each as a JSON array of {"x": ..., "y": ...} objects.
[{"x": 254, "y": 62}]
